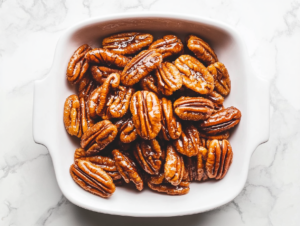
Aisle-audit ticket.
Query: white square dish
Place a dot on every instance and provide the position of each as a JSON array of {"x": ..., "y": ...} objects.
[{"x": 249, "y": 93}]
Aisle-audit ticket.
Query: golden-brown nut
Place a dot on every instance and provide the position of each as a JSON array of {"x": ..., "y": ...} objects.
[
  {"x": 85, "y": 118},
  {"x": 202, "y": 50},
  {"x": 226, "y": 158},
  {"x": 221, "y": 77},
  {"x": 216, "y": 98},
  {"x": 100, "y": 73},
  {"x": 140, "y": 66},
  {"x": 86, "y": 86},
  {"x": 127, "y": 43},
  {"x": 148, "y": 155},
  {"x": 104, "y": 56},
  {"x": 169, "y": 45},
  {"x": 92, "y": 178},
  {"x": 171, "y": 127},
  {"x": 220, "y": 136},
  {"x": 193, "y": 108},
  {"x": 174, "y": 166},
  {"x": 221, "y": 121},
  {"x": 78, "y": 64},
  {"x": 72, "y": 119},
  {"x": 126, "y": 129},
  {"x": 195, "y": 76},
  {"x": 189, "y": 142},
  {"x": 149, "y": 83},
  {"x": 181, "y": 189},
  {"x": 127, "y": 169},
  {"x": 168, "y": 78},
  {"x": 146, "y": 114}
]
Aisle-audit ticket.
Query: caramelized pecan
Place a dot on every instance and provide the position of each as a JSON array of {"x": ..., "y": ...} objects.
[
  {"x": 140, "y": 66},
  {"x": 221, "y": 77},
  {"x": 221, "y": 121},
  {"x": 146, "y": 114},
  {"x": 86, "y": 86},
  {"x": 72, "y": 119},
  {"x": 92, "y": 178},
  {"x": 193, "y": 108},
  {"x": 126, "y": 129},
  {"x": 85, "y": 118},
  {"x": 78, "y": 64},
  {"x": 216, "y": 98},
  {"x": 202, "y": 50},
  {"x": 180, "y": 189},
  {"x": 169, "y": 45},
  {"x": 100, "y": 73},
  {"x": 127, "y": 43},
  {"x": 195, "y": 76},
  {"x": 220, "y": 136},
  {"x": 149, "y": 83}
]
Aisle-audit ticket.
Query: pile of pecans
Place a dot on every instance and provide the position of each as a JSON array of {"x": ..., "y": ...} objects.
[{"x": 149, "y": 112}]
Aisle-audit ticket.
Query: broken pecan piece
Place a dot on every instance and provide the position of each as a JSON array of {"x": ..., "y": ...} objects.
[
  {"x": 78, "y": 64},
  {"x": 193, "y": 108},
  {"x": 92, "y": 178},
  {"x": 127, "y": 43},
  {"x": 169, "y": 45},
  {"x": 181, "y": 189},
  {"x": 140, "y": 66},
  {"x": 221, "y": 78},
  {"x": 100, "y": 73},
  {"x": 202, "y": 50},
  {"x": 195, "y": 76},
  {"x": 126, "y": 129}
]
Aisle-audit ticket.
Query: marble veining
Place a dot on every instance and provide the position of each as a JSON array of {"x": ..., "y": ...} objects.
[{"x": 29, "y": 30}]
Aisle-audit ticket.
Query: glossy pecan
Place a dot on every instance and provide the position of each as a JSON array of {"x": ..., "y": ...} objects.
[
  {"x": 171, "y": 127},
  {"x": 220, "y": 136},
  {"x": 216, "y": 98},
  {"x": 126, "y": 130},
  {"x": 100, "y": 73},
  {"x": 193, "y": 108},
  {"x": 140, "y": 66},
  {"x": 174, "y": 166},
  {"x": 85, "y": 118},
  {"x": 149, "y": 83},
  {"x": 104, "y": 56},
  {"x": 221, "y": 78},
  {"x": 148, "y": 155},
  {"x": 98, "y": 136},
  {"x": 169, "y": 45},
  {"x": 72, "y": 114},
  {"x": 221, "y": 121},
  {"x": 168, "y": 78},
  {"x": 78, "y": 64},
  {"x": 195, "y": 76},
  {"x": 128, "y": 169},
  {"x": 189, "y": 141},
  {"x": 181, "y": 189},
  {"x": 146, "y": 114},
  {"x": 86, "y": 86},
  {"x": 127, "y": 43},
  {"x": 202, "y": 50},
  {"x": 92, "y": 178}
]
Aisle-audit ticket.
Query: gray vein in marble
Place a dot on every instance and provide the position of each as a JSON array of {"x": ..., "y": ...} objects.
[{"x": 10, "y": 209}]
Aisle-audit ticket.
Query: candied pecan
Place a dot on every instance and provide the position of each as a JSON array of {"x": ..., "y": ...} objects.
[
  {"x": 221, "y": 77},
  {"x": 72, "y": 119},
  {"x": 189, "y": 141},
  {"x": 221, "y": 121},
  {"x": 174, "y": 166},
  {"x": 126, "y": 129},
  {"x": 180, "y": 189},
  {"x": 104, "y": 56},
  {"x": 127, "y": 43},
  {"x": 140, "y": 66},
  {"x": 216, "y": 98},
  {"x": 168, "y": 78},
  {"x": 193, "y": 108},
  {"x": 128, "y": 169},
  {"x": 148, "y": 155},
  {"x": 98, "y": 136},
  {"x": 226, "y": 158},
  {"x": 78, "y": 64},
  {"x": 195, "y": 76},
  {"x": 86, "y": 86},
  {"x": 100, "y": 73},
  {"x": 92, "y": 178},
  {"x": 171, "y": 127},
  {"x": 157, "y": 179},
  {"x": 149, "y": 83},
  {"x": 85, "y": 118},
  {"x": 202, "y": 50},
  {"x": 220, "y": 136},
  {"x": 169, "y": 45},
  {"x": 146, "y": 114}
]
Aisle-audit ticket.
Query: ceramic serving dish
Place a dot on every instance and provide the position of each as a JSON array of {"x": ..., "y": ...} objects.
[{"x": 249, "y": 93}]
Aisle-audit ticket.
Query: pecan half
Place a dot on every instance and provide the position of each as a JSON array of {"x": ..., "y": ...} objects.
[
  {"x": 146, "y": 114},
  {"x": 104, "y": 56},
  {"x": 174, "y": 166},
  {"x": 189, "y": 141},
  {"x": 169, "y": 45},
  {"x": 171, "y": 127},
  {"x": 98, "y": 136},
  {"x": 86, "y": 86},
  {"x": 193, "y": 108},
  {"x": 168, "y": 78},
  {"x": 148, "y": 155},
  {"x": 149, "y": 83},
  {"x": 181, "y": 189},
  {"x": 216, "y": 98},
  {"x": 195, "y": 76},
  {"x": 220, "y": 136},
  {"x": 221, "y": 121},
  {"x": 127, "y": 43},
  {"x": 72, "y": 119},
  {"x": 127, "y": 169},
  {"x": 85, "y": 118},
  {"x": 100, "y": 73},
  {"x": 221, "y": 77},
  {"x": 202, "y": 50},
  {"x": 140, "y": 66},
  {"x": 126, "y": 130},
  {"x": 92, "y": 178},
  {"x": 78, "y": 64}
]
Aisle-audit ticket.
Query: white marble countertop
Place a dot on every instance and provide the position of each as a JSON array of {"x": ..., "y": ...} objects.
[{"x": 29, "y": 30}]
